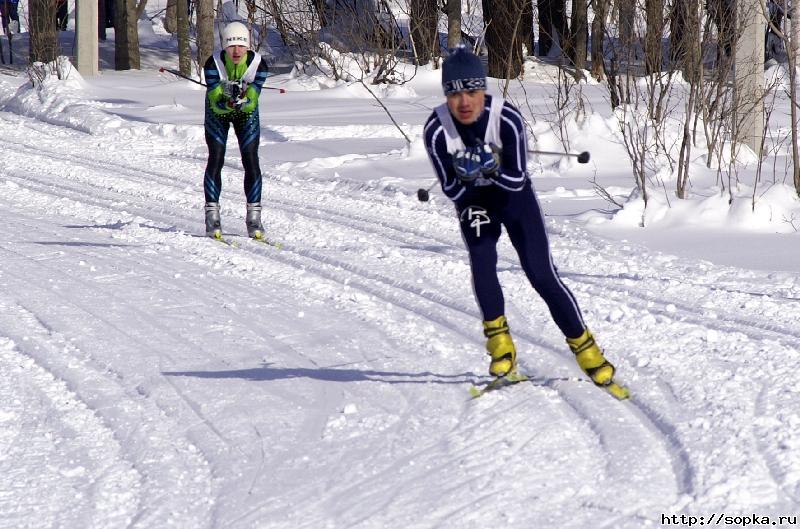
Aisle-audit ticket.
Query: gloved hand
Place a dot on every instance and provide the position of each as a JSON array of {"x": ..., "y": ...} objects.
[
  {"x": 232, "y": 90},
  {"x": 467, "y": 164},
  {"x": 489, "y": 155},
  {"x": 239, "y": 103}
]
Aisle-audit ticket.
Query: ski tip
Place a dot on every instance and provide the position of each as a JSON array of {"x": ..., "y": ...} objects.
[
  {"x": 260, "y": 238},
  {"x": 516, "y": 376},
  {"x": 510, "y": 379},
  {"x": 618, "y": 392},
  {"x": 217, "y": 236}
]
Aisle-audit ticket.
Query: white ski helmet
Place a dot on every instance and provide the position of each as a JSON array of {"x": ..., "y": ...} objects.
[{"x": 235, "y": 34}]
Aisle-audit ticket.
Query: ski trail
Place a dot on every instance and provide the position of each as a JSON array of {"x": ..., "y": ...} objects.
[
  {"x": 389, "y": 266},
  {"x": 399, "y": 293},
  {"x": 88, "y": 481},
  {"x": 117, "y": 401}
]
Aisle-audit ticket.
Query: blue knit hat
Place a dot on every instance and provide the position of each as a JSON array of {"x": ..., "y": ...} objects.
[{"x": 462, "y": 71}]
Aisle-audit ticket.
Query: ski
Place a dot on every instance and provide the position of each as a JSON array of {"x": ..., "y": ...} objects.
[
  {"x": 269, "y": 242},
  {"x": 617, "y": 390},
  {"x": 498, "y": 383},
  {"x": 227, "y": 242},
  {"x": 223, "y": 240}
]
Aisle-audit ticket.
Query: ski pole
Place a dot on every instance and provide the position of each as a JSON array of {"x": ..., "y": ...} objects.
[
  {"x": 424, "y": 194},
  {"x": 582, "y": 157},
  {"x": 179, "y": 74}
]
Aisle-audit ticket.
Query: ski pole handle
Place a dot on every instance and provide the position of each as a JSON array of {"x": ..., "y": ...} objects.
[{"x": 424, "y": 194}]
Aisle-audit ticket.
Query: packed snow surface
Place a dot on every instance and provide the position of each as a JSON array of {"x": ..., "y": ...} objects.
[{"x": 153, "y": 378}]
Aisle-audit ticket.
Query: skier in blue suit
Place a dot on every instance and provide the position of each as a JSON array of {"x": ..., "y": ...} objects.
[
  {"x": 235, "y": 77},
  {"x": 477, "y": 145}
]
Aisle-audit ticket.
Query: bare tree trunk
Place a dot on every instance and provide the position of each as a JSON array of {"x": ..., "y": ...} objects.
[
  {"x": 626, "y": 18},
  {"x": 598, "y": 36},
  {"x": 723, "y": 14},
  {"x": 579, "y": 36},
  {"x": 559, "y": 11},
  {"x": 424, "y": 20},
  {"x": 793, "y": 48},
  {"x": 795, "y": 28},
  {"x": 184, "y": 52},
  {"x": 553, "y": 27},
  {"x": 319, "y": 8},
  {"x": 453, "y": 10},
  {"x": 44, "y": 42},
  {"x": 795, "y": 136},
  {"x": 251, "y": 12},
  {"x": 280, "y": 22},
  {"x": 525, "y": 30},
  {"x": 502, "y": 37},
  {"x": 684, "y": 36},
  {"x": 171, "y": 17},
  {"x": 654, "y": 15},
  {"x": 126, "y": 36},
  {"x": 685, "y": 155},
  {"x": 546, "y": 28},
  {"x": 205, "y": 30},
  {"x": 140, "y": 7}
]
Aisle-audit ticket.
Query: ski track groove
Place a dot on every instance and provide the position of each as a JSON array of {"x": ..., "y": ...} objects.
[
  {"x": 114, "y": 489},
  {"x": 195, "y": 292},
  {"x": 775, "y": 470},
  {"x": 102, "y": 368},
  {"x": 685, "y": 312}
]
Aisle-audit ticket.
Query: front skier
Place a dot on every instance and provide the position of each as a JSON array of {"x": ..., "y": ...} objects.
[
  {"x": 234, "y": 77},
  {"x": 480, "y": 159}
]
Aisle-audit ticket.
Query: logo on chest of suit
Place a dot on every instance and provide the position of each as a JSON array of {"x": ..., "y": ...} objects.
[{"x": 476, "y": 217}]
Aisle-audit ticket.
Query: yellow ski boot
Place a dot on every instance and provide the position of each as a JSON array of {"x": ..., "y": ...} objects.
[
  {"x": 591, "y": 360},
  {"x": 501, "y": 347}
]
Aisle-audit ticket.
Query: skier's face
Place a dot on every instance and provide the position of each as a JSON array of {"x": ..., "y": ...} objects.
[
  {"x": 236, "y": 53},
  {"x": 466, "y": 106}
]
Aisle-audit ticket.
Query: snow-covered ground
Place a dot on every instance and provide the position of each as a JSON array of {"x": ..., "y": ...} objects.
[{"x": 152, "y": 378}]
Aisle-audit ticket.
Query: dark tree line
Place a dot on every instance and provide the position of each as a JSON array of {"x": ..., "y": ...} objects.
[{"x": 508, "y": 30}]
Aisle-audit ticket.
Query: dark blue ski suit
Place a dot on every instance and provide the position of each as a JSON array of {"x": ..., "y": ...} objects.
[{"x": 505, "y": 198}]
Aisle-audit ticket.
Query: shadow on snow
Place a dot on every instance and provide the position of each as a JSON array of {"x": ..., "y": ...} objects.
[{"x": 332, "y": 374}]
